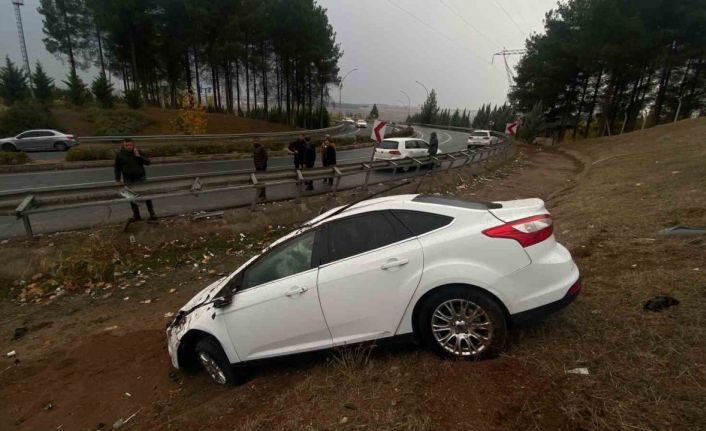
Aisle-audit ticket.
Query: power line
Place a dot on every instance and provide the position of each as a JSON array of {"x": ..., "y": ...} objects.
[
  {"x": 486, "y": 63},
  {"x": 468, "y": 24},
  {"x": 524, "y": 33}
]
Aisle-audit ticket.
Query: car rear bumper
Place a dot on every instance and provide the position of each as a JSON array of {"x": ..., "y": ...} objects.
[{"x": 535, "y": 314}]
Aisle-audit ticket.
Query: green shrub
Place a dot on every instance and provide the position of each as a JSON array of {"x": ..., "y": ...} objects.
[
  {"x": 121, "y": 122},
  {"x": 85, "y": 153},
  {"x": 103, "y": 91},
  {"x": 133, "y": 99},
  {"x": 23, "y": 116},
  {"x": 13, "y": 158}
]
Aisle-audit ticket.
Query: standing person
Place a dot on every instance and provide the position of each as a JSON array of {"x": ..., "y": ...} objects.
[
  {"x": 259, "y": 157},
  {"x": 328, "y": 154},
  {"x": 433, "y": 144},
  {"x": 130, "y": 166},
  {"x": 309, "y": 159},
  {"x": 297, "y": 148}
]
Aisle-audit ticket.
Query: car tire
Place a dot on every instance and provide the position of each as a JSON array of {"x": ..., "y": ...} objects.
[
  {"x": 478, "y": 332},
  {"x": 215, "y": 362},
  {"x": 9, "y": 148},
  {"x": 60, "y": 146}
]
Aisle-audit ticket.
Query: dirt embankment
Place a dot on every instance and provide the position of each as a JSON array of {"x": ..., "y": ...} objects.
[{"x": 91, "y": 356}]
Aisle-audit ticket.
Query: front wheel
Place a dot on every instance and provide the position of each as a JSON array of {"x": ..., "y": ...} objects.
[
  {"x": 462, "y": 323},
  {"x": 215, "y": 362},
  {"x": 8, "y": 148}
]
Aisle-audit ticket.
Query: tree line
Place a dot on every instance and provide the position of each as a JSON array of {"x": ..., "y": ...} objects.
[
  {"x": 431, "y": 113},
  {"x": 270, "y": 59},
  {"x": 605, "y": 66}
]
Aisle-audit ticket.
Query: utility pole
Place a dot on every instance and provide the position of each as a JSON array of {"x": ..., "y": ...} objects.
[
  {"x": 23, "y": 46},
  {"x": 505, "y": 53},
  {"x": 425, "y": 88}
]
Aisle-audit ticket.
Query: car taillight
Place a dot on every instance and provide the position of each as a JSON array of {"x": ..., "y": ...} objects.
[
  {"x": 70, "y": 137},
  {"x": 573, "y": 290},
  {"x": 527, "y": 231},
  {"x": 395, "y": 152}
]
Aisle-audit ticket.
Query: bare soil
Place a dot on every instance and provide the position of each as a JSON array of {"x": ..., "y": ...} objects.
[{"x": 90, "y": 356}]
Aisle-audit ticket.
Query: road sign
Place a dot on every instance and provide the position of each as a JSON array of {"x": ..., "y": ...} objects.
[
  {"x": 511, "y": 128},
  {"x": 378, "y": 133}
]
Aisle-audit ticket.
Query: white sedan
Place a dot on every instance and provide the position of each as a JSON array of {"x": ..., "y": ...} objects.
[
  {"x": 361, "y": 124},
  {"x": 454, "y": 273},
  {"x": 401, "y": 148},
  {"x": 483, "y": 138}
]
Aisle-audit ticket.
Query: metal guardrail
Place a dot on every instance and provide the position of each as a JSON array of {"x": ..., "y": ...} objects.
[
  {"x": 157, "y": 138},
  {"x": 42, "y": 201}
]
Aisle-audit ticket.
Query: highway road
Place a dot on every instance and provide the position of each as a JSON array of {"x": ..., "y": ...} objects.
[{"x": 78, "y": 218}]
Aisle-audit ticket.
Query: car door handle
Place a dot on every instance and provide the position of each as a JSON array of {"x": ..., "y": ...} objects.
[
  {"x": 393, "y": 263},
  {"x": 296, "y": 291}
]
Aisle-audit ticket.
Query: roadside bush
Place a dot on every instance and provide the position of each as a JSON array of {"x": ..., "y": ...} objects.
[
  {"x": 120, "y": 122},
  {"x": 14, "y": 158},
  {"x": 133, "y": 99},
  {"x": 25, "y": 115},
  {"x": 84, "y": 153}
]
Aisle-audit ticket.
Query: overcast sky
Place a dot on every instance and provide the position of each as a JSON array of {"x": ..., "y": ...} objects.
[{"x": 445, "y": 44}]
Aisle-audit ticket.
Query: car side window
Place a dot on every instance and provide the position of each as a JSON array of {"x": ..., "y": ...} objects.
[
  {"x": 410, "y": 145},
  {"x": 290, "y": 258},
  {"x": 423, "y": 144},
  {"x": 360, "y": 234},
  {"x": 25, "y": 135},
  {"x": 421, "y": 222}
]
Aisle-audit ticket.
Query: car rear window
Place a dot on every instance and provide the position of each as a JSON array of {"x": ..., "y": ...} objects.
[
  {"x": 420, "y": 222},
  {"x": 479, "y": 134},
  {"x": 388, "y": 145},
  {"x": 456, "y": 202}
]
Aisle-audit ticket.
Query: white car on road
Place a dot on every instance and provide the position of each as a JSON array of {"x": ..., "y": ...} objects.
[
  {"x": 361, "y": 123},
  {"x": 401, "y": 148},
  {"x": 454, "y": 273},
  {"x": 483, "y": 138}
]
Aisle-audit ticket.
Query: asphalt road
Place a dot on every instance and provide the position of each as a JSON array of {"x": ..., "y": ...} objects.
[{"x": 84, "y": 217}]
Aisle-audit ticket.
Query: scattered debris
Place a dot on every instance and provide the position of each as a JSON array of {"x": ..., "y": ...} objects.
[
  {"x": 110, "y": 328},
  {"x": 343, "y": 420},
  {"x": 11, "y": 354},
  {"x": 581, "y": 371},
  {"x": 206, "y": 215},
  {"x": 168, "y": 314},
  {"x": 683, "y": 230},
  {"x": 658, "y": 303},
  {"x": 19, "y": 333},
  {"x": 49, "y": 406},
  {"x": 128, "y": 394}
]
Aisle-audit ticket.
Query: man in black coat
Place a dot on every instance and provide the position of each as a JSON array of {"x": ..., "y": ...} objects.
[
  {"x": 130, "y": 166},
  {"x": 433, "y": 144},
  {"x": 309, "y": 159},
  {"x": 297, "y": 148},
  {"x": 259, "y": 157}
]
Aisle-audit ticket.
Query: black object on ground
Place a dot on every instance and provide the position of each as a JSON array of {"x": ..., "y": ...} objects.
[
  {"x": 19, "y": 333},
  {"x": 658, "y": 303}
]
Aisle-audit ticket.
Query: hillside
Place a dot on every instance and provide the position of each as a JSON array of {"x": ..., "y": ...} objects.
[{"x": 155, "y": 121}]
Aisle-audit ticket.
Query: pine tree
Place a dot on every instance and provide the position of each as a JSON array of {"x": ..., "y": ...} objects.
[
  {"x": 77, "y": 91},
  {"x": 43, "y": 85},
  {"x": 13, "y": 83},
  {"x": 103, "y": 91},
  {"x": 374, "y": 112}
]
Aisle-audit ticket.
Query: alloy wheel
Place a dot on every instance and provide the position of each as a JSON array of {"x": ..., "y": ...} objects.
[
  {"x": 212, "y": 368},
  {"x": 462, "y": 327}
]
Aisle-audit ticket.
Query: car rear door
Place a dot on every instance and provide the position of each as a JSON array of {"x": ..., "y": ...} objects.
[
  {"x": 371, "y": 266},
  {"x": 276, "y": 309}
]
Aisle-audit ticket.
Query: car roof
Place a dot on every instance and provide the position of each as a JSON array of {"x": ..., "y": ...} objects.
[
  {"x": 40, "y": 130},
  {"x": 402, "y": 139},
  {"x": 481, "y": 130}
]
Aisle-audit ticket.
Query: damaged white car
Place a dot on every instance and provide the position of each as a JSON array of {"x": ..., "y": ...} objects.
[{"x": 454, "y": 273}]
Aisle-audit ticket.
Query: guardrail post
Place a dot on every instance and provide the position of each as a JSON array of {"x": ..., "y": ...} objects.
[
  {"x": 256, "y": 198},
  {"x": 337, "y": 179},
  {"x": 27, "y": 203},
  {"x": 451, "y": 162},
  {"x": 300, "y": 184}
]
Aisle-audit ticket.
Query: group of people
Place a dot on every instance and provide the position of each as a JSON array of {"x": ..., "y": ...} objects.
[
  {"x": 304, "y": 153},
  {"x": 130, "y": 165}
]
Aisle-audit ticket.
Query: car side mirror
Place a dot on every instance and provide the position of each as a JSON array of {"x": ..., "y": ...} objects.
[{"x": 222, "y": 301}]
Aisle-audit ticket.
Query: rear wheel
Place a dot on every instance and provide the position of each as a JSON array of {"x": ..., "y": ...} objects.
[
  {"x": 8, "y": 147},
  {"x": 215, "y": 362},
  {"x": 463, "y": 323},
  {"x": 60, "y": 146}
]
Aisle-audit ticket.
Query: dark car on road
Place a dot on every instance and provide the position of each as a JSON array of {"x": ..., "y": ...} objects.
[{"x": 39, "y": 140}]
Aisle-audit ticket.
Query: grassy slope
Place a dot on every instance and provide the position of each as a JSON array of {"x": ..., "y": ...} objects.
[{"x": 75, "y": 121}]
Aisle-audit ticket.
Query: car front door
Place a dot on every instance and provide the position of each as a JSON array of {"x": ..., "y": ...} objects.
[
  {"x": 26, "y": 141},
  {"x": 370, "y": 269},
  {"x": 276, "y": 309}
]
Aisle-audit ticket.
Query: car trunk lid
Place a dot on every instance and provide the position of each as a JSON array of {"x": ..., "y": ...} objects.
[{"x": 517, "y": 209}]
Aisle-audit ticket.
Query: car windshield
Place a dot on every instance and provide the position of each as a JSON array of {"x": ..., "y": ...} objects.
[{"x": 388, "y": 145}]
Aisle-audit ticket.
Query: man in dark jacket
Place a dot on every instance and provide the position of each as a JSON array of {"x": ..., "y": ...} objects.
[
  {"x": 259, "y": 157},
  {"x": 328, "y": 155},
  {"x": 130, "y": 165},
  {"x": 433, "y": 144},
  {"x": 297, "y": 148},
  {"x": 309, "y": 159}
]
